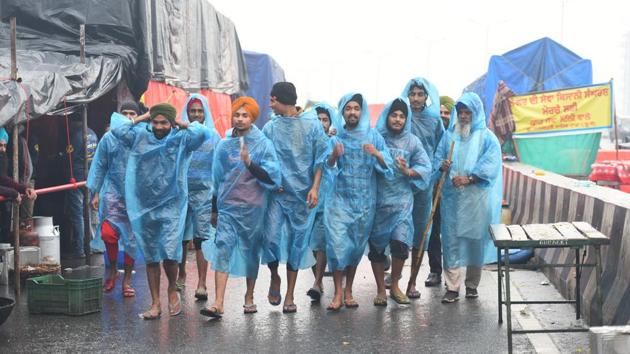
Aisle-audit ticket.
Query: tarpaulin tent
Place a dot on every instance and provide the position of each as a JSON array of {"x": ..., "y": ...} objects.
[
  {"x": 187, "y": 44},
  {"x": 543, "y": 65},
  {"x": 263, "y": 71}
]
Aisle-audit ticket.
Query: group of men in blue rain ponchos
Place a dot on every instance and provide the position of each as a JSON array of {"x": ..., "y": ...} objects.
[{"x": 313, "y": 187}]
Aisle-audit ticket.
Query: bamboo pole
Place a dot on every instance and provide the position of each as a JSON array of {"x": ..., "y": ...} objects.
[
  {"x": 436, "y": 199},
  {"x": 16, "y": 208},
  {"x": 86, "y": 201}
]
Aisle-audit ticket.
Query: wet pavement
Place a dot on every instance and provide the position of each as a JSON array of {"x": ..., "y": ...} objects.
[{"x": 469, "y": 326}]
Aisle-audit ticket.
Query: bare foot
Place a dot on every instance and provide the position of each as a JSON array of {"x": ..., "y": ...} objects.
[
  {"x": 335, "y": 304},
  {"x": 349, "y": 299},
  {"x": 274, "y": 290},
  {"x": 152, "y": 313}
]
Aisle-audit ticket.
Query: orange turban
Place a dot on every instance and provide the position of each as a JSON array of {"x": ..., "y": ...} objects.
[{"x": 249, "y": 104}]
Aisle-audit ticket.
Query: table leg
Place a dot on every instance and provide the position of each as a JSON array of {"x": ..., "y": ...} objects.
[
  {"x": 508, "y": 299},
  {"x": 499, "y": 285},
  {"x": 578, "y": 275}
]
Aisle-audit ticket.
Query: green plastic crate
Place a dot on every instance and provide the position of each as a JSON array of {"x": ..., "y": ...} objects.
[{"x": 54, "y": 294}]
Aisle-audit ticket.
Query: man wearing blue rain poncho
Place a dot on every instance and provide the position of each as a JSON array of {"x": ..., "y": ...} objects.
[
  {"x": 471, "y": 195},
  {"x": 393, "y": 223},
  {"x": 318, "y": 234},
  {"x": 357, "y": 152},
  {"x": 245, "y": 170},
  {"x": 427, "y": 126},
  {"x": 156, "y": 192},
  {"x": 301, "y": 145},
  {"x": 106, "y": 182},
  {"x": 200, "y": 192}
]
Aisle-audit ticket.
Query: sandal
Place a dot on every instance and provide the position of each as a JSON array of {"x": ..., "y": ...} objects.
[
  {"x": 250, "y": 308},
  {"x": 211, "y": 312},
  {"x": 291, "y": 308},
  {"x": 315, "y": 294},
  {"x": 180, "y": 286},
  {"x": 174, "y": 310},
  {"x": 351, "y": 304},
  {"x": 128, "y": 291},
  {"x": 274, "y": 294},
  {"x": 201, "y": 294},
  {"x": 414, "y": 294},
  {"x": 400, "y": 298},
  {"x": 380, "y": 301},
  {"x": 148, "y": 316}
]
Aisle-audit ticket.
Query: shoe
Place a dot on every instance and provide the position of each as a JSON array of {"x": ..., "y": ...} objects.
[
  {"x": 380, "y": 301},
  {"x": 315, "y": 294},
  {"x": 388, "y": 281},
  {"x": 450, "y": 297},
  {"x": 128, "y": 291},
  {"x": 471, "y": 293},
  {"x": 291, "y": 308},
  {"x": 249, "y": 309},
  {"x": 273, "y": 294},
  {"x": 433, "y": 279},
  {"x": 201, "y": 294},
  {"x": 211, "y": 312}
]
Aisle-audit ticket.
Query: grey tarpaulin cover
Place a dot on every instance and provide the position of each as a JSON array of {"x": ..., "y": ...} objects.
[{"x": 183, "y": 43}]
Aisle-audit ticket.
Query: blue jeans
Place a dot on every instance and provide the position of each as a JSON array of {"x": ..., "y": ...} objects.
[{"x": 74, "y": 206}]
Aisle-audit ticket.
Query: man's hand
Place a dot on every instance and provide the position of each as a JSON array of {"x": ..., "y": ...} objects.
[
  {"x": 213, "y": 219},
  {"x": 181, "y": 124},
  {"x": 312, "y": 198},
  {"x": 31, "y": 194},
  {"x": 245, "y": 156},
  {"x": 461, "y": 181},
  {"x": 95, "y": 201},
  {"x": 142, "y": 117},
  {"x": 18, "y": 199},
  {"x": 370, "y": 149},
  {"x": 402, "y": 165},
  {"x": 336, "y": 153},
  {"x": 332, "y": 132},
  {"x": 446, "y": 164}
]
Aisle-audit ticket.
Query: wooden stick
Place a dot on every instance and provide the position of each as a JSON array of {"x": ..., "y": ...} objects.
[
  {"x": 86, "y": 198},
  {"x": 436, "y": 199}
]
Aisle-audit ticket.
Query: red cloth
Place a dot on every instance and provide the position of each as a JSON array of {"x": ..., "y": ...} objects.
[
  {"x": 110, "y": 237},
  {"x": 611, "y": 171}
]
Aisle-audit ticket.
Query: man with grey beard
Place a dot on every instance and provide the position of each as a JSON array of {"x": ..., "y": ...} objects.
[{"x": 471, "y": 196}]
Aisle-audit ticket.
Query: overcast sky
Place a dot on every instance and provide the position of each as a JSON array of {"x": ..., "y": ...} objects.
[{"x": 330, "y": 47}]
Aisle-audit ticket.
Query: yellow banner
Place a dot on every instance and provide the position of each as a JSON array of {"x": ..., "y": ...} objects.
[{"x": 575, "y": 109}]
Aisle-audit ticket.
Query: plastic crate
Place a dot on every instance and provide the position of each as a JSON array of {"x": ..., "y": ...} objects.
[{"x": 54, "y": 294}]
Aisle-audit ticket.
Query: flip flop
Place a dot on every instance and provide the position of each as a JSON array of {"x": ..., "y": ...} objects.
[
  {"x": 128, "y": 291},
  {"x": 332, "y": 308},
  {"x": 315, "y": 294},
  {"x": 211, "y": 312},
  {"x": 251, "y": 308},
  {"x": 174, "y": 310},
  {"x": 201, "y": 295},
  {"x": 380, "y": 301},
  {"x": 351, "y": 304},
  {"x": 400, "y": 299},
  {"x": 274, "y": 294},
  {"x": 147, "y": 316},
  {"x": 291, "y": 308},
  {"x": 415, "y": 294}
]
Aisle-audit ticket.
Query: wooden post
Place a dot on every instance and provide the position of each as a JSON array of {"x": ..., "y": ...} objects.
[
  {"x": 16, "y": 207},
  {"x": 86, "y": 201}
]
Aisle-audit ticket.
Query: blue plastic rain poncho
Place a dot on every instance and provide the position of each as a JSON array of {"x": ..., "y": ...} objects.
[
  {"x": 318, "y": 233},
  {"x": 301, "y": 145},
  {"x": 242, "y": 201},
  {"x": 468, "y": 211},
  {"x": 349, "y": 211},
  {"x": 200, "y": 187},
  {"x": 4, "y": 136},
  {"x": 394, "y": 201},
  {"x": 156, "y": 186},
  {"x": 428, "y": 127},
  {"x": 107, "y": 178}
]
